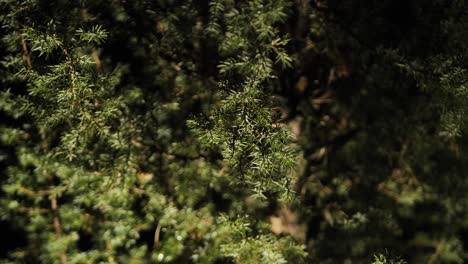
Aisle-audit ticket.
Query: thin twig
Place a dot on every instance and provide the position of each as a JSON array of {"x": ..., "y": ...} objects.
[
  {"x": 30, "y": 192},
  {"x": 110, "y": 258},
  {"x": 58, "y": 227},
  {"x": 438, "y": 251},
  {"x": 71, "y": 67},
  {"x": 157, "y": 233},
  {"x": 26, "y": 52}
]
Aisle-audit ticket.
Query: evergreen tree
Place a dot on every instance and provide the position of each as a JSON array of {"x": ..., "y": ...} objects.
[{"x": 229, "y": 131}]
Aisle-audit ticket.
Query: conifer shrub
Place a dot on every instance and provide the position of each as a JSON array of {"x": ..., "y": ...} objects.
[{"x": 229, "y": 131}]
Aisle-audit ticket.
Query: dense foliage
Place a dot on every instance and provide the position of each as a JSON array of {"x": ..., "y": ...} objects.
[{"x": 230, "y": 131}]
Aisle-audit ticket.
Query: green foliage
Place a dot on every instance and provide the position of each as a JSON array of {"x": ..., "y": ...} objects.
[
  {"x": 251, "y": 139},
  {"x": 381, "y": 259},
  {"x": 102, "y": 159},
  {"x": 233, "y": 131}
]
